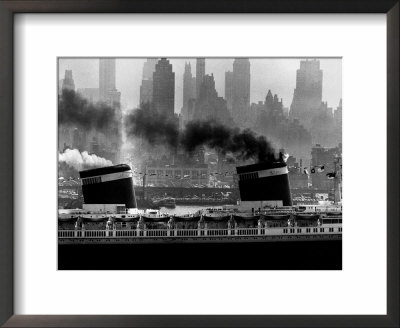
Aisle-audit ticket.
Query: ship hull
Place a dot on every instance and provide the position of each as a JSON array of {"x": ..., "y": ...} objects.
[{"x": 304, "y": 255}]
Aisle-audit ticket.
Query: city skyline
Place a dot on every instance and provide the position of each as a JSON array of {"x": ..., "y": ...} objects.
[{"x": 276, "y": 74}]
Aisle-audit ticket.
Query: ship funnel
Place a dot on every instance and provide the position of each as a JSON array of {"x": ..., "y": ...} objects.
[
  {"x": 108, "y": 185},
  {"x": 264, "y": 184}
]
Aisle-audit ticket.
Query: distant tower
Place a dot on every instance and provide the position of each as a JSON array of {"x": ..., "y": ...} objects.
[
  {"x": 307, "y": 95},
  {"x": 189, "y": 91},
  {"x": 241, "y": 88},
  {"x": 106, "y": 78},
  {"x": 148, "y": 68},
  {"x": 338, "y": 121},
  {"x": 164, "y": 88},
  {"x": 68, "y": 82},
  {"x": 209, "y": 106},
  {"x": 200, "y": 72},
  {"x": 229, "y": 89},
  {"x": 269, "y": 101},
  {"x": 338, "y": 115},
  {"x": 146, "y": 89}
]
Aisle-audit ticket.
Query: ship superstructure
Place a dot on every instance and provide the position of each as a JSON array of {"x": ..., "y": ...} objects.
[{"x": 265, "y": 213}]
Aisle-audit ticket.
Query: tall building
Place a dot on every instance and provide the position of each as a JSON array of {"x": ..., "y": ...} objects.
[
  {"x": 241, "y": 88},
  {"x": 146, "y": 88},
  {"x": 164, "y": 88},
  {"x": 270, "y": 120},
  {"x": 200, "y": 72},
  {"x": 209, "y": 106},
  {"x": 148, "y": 68},
  {"x": 68, "y": 81},
  {"x": 229, "y": 89},
  {"x": 189, "y": 92},
  {"x": 338, "y": 116},
  {"x": 307, "y": 95},
  {"x": 107, "y": 69},
  {"x": 65, "y": 133}
]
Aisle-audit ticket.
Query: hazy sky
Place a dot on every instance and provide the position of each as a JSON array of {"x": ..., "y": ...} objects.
[{"x": 279, "y": 75}]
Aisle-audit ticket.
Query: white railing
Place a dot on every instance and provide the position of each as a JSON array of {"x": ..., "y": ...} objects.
[{"x": 151, "y": 233}]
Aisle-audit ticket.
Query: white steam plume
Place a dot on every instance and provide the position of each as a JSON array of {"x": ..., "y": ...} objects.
[{"x": 80, "y": 161}]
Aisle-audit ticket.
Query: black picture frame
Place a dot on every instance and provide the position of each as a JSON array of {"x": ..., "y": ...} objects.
[{"x": 10, "y": 7}]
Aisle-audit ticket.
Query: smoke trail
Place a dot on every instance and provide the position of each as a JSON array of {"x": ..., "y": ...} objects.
[
  {"x": 158, "y": 130},
  {"x": 242, "y": 144},
  {"x": 76, "y": 111},
  {"x": 152, "y": 126},
  {"x": 80, "y": 161}
]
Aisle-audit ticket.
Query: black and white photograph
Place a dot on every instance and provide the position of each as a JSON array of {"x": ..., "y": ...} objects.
[{"x": 207, "y": 163}]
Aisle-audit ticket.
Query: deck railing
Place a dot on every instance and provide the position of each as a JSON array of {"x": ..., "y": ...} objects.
[{"x": 154, "y": 233}]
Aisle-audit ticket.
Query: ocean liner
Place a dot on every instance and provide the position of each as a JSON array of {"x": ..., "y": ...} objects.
[{"x": 264, "y": 214}]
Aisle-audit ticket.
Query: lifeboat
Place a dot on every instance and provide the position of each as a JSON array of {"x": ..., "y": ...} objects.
[
  {"x": 95, "y": 217},
  {"x": 276, "y": 216},
  {"x": 216, "y": 215},
  {"x": 333, "y": 214},
  {"x": 126, "y": 217},
  {"x": 187, "y": 217},
  {"x": 66, "y": 217},
  {"x": 154, "y": 216}
]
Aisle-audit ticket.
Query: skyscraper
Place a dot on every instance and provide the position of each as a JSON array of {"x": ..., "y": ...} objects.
[
  {"x": 148, "y": 68},
  {"x": 200, "y": 72},
  {"x": 209, "y": 106},
  {"x": 146, "y": 88},
  {"x": 307, "y": 95},
  {"x": 164, "y": 88},
  {"x": 229, "y": 89},
  {"x": 189, "y": 91},
  {"x": 241, "y": 88},
  {"x": 106, "y": 78},
  {"x": 68, "y": 81}
]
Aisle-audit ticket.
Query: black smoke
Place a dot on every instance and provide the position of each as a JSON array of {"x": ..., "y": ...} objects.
[
  {"x": 236, "y": 143},
  {"x": 152, "y": 126},
  {"x": 75, "y": 110}
]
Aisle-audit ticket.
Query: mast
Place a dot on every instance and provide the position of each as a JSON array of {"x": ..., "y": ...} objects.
[
  {"x": 336, "y": 184},
  {"x": 334, "y": 181}
]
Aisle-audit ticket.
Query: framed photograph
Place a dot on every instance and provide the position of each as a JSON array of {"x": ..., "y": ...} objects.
[{"x": 163, "y": 165}]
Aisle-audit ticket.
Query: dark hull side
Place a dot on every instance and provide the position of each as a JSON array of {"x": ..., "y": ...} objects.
[{"x": 308, "y": 255}]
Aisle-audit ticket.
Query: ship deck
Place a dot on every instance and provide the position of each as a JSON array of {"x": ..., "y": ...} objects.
[{"x": 137, "y": 236}]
